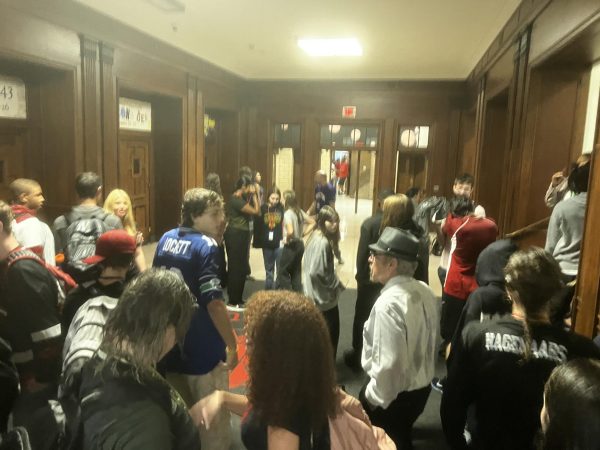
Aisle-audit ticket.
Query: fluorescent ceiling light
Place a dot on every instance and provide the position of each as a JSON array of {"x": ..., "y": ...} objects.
[{"x": 331, "y": 47}]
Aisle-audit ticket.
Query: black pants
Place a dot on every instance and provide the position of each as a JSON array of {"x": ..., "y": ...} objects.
[
  {"x": 451, "y": 310},
  {"x": 366, "y": 294},
  {"x": 442, "y": 276},
  {"x": 398, "y": 418},
  {"x": 237, "y": 244},
  {"x": 289, "y": 270},
  {"x": 332, "y": 317}
]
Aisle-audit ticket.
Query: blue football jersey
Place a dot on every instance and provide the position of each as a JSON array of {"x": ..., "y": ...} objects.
[{"x": 194, "y": 257}]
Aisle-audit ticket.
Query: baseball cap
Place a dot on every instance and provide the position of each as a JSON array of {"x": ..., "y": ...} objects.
[{"x": 111, "y": 243}]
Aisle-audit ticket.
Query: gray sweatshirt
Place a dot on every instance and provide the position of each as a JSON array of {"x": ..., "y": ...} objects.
[
  {"x": 320, "y": 281},
  {"x": 565, "y": 232}
]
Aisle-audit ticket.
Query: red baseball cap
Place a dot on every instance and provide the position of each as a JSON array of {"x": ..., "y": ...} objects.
[{"x": 111, "y": 243}]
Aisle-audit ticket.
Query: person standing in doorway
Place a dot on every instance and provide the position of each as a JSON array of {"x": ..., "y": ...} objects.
[{"x": 343, "y": 176}]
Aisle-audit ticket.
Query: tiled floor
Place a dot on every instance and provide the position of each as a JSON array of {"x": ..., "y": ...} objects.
[{"x": 427, "y": 434}]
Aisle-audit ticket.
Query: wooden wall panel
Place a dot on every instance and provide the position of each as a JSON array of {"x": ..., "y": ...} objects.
[
  {"x": 550, "y": 121},
  {"x": 110, "y": 119},
  {"x": 491, "y": 173},
  {"x": 91, "y": 85},
  {"x": 560, "y": 22},
  {"x": 587, "y": 296},
  {"x": 167, "y": 138},
  {"x": 499, "y": 77},
  {"x": 60, "y": 162}
]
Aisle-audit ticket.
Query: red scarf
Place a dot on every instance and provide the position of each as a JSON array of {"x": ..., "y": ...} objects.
[{"x": 22, "y": 213}]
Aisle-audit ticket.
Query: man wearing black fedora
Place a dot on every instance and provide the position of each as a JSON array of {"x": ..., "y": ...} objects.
[{"x": 399, "y": 338}]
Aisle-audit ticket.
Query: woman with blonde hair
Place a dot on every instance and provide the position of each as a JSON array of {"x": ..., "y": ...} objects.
[
  {"x": 118, "y": 203},
  {"x": 398, "y": 211}
]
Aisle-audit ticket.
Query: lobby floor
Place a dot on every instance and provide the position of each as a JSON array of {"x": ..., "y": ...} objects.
[{"x": 427, "y": 431}]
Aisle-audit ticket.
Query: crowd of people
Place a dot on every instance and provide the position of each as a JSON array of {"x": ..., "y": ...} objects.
[{"x": 131, "y": 356}]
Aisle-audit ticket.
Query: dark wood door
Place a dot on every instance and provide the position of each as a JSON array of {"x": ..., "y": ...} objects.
[
  {"x": 12, "y": 160},
  {"x": 412, "y": 171},
  {"x": 134, "y": 178}
]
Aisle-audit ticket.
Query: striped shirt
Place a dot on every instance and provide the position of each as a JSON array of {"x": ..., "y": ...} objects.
[{"x": 85, "y": 334}]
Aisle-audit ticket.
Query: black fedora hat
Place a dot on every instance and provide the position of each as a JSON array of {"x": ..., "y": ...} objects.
[{"x": 397, "y": 243}]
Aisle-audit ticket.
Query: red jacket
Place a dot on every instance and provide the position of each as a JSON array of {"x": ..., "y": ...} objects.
[{"x": 470, "y": 235}]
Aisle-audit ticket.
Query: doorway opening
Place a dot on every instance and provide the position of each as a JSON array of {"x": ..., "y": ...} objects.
[
  {"x": 348, "y": 157},
  {"x": 412, "y": 157},
  {"x": 286, "y": 149},
  {"x": 149, "y": 163}
]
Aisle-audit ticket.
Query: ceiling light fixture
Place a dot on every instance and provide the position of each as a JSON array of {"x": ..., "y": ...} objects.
[{"x": 331, "y": 47}]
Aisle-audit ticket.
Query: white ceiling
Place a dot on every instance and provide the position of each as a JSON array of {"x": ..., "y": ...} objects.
[{"x": 256, "y": 39}]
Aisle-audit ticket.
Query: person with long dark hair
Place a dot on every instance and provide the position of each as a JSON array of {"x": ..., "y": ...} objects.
[
  {"x": 291, "y": 389},
  {"x": 320, "y": 281},
  {"x": 242, "y": 205},
  {"x": 499, "y": 366},
  {"x": 268, "y": 234},
  {"x": 296, "y": 223},
  {"x": 571, "y": 413},
  {"x": 125, "y": 403}
]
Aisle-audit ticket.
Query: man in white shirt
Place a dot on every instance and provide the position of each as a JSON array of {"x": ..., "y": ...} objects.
[
  {"x": 30, "y": 232},
  {"x": 399, "y": 339}
]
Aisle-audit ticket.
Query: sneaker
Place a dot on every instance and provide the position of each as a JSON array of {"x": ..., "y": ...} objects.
[
  {"x": 250, "y": 278},
  {"x": 352, "y": 360},
  {"x": 236, "y": 308},
  {"x": 438, "y": 384}
]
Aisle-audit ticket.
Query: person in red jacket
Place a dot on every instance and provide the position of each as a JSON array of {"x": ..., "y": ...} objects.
[
  {"x": 344, "y": 171},
  {"x": 470, "y": 234}
]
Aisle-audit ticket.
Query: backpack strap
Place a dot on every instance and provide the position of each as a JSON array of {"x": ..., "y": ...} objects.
[{"x": 23, "y": 253}]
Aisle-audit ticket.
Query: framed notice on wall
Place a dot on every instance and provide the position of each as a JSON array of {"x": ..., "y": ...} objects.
[
  {"x": 135, "y": 115},
  {"x": 13, "y": 104}
]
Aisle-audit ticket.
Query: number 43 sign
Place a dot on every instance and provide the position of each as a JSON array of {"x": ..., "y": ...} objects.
[{"x": 13, "y": 103}]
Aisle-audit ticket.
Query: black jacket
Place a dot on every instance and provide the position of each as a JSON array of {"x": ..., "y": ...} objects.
[
  {"x": 489, "y": 372},
  {"x": 120, "y": 410},
  {"x": 369, "y": 233}
]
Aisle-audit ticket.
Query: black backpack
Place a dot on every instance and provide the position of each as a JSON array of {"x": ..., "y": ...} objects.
[
  {"x": 82, "y": 234},
  {"x": 50, "y": 422}
]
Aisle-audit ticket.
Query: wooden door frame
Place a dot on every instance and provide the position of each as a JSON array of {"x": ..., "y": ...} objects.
[{"x": 139, "y": 136}]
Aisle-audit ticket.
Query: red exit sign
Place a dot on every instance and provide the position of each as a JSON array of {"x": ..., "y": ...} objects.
[{"x": 349, "y": 112}]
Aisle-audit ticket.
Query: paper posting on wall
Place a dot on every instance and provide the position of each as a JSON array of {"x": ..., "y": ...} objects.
[
  {"x": 135, "y": 115},
  {"x": 13, "y": 102}
]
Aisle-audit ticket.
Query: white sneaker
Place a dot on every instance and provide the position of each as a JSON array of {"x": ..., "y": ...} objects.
[{"x": 236, "y": 308}]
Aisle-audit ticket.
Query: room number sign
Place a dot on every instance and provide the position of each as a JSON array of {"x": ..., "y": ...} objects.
[{"x": 13, "y": 104}]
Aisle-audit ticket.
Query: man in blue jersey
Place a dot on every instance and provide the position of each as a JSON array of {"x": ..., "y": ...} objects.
[{"x": 198, "y": 366}]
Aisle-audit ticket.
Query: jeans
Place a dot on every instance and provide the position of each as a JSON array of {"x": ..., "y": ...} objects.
[
  {"x": 289, "y": 269},
  {"x": 271, "y": 258}
]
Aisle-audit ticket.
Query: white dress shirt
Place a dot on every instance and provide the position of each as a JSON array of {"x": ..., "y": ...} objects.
[{"x": 399, "y": 340}]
